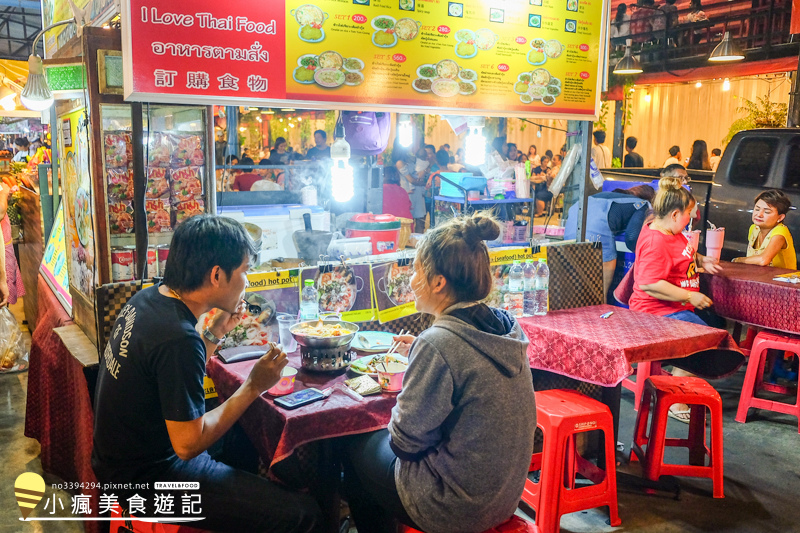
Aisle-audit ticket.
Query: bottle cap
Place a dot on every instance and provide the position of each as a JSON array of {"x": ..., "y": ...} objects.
[
  {"x": 516, "y": 261},
  {"x": 309, "y": 282},
  {"x": 529, "y": 261},
  {"x": 542, "y": 260}
]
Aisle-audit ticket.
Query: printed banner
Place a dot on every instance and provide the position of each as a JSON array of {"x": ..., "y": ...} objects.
[
  {"x": 59, "y": 10},
  {"x": 391, "y": 284},
  {"x": 346, "y": 290},
  {"x": 54, "y": 262},
  {"x": 536, "y": 58},
  {"x": 500, "y": 262}
]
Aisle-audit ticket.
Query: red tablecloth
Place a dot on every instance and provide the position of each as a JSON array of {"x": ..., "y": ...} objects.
[
  {"x": 747, "y": 293},
  {"x": 579, "y": 344},
  {"x": 277, "y": 432}
]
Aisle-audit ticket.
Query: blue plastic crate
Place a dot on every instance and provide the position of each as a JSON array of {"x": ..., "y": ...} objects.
[{"x": 466, "y": 180}]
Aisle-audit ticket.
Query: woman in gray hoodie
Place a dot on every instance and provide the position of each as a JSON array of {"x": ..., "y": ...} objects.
[{"x": 457, "y": 450}]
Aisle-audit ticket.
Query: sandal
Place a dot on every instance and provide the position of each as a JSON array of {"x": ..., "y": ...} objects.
[{"x": 681, "y": 415}]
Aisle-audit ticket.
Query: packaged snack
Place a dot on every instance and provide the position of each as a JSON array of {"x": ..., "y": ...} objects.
[
  {"x": 120, "y": 184},
  {"x": 158, "y": 215},
  {"x": 159, "y": 149},
  {"x": 120, "y": 217},
  {"x": 185, "y": 184},
  {"x": 119, "y": 148},
  {"x": 187, "y": 150},
  {"x": 188, "y": 209},
  {"x": 157, "y": 182}
]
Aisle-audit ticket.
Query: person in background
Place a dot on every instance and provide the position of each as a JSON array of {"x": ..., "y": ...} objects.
[
  {"x": 453, "y": 166},
  {"x": 245, "y": 153},
  {"x": 610, "y": 214},
  {"x": 674, "y": 157},
  {"x": 446, "y": 148},
  {"x": 522, "y": 158},
  {"x": 430, "y": 155},
  {"x": 769, "y": 242},
  {"x": 246, "y": 179},
  {"x": 499, "y": 145},
  {"x": 696, "y": 13},
  {"x": 279, "y": 155},
  {"x": 620, "y": 26},
  {"x": 644, "y": 20},
  {"x": 699, "y": 158},
  {"x": 632, "y": 159},
  {"x": 438, "y": 467},
  {"x": 549, "y": 154},
  {"x": 23, "y": 153},
  {"x": 716, "y": 155},
  {"x": 600, "y": 152},
  {"x": 670, "y": 11},
  {"x": 11, "y": 287},
  {"x": 533, "y": 157},
  {"x": 563, "y": 151},
  {"x": 511, "y": 152},
  {"x": 415, "y": 171},
  {"x": 395, "y": 199},
  {"x": 665, "y": 273},
  {"x": 555, "y": 167},
  {"x": 540, "y": 183},
  {"x": 321, "y": 150},
  {"x": 228, "y": 174},
  {"x": 272, "y": 179}
]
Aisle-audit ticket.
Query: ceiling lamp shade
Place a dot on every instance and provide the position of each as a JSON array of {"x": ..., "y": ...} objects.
[
  {"x": 36, "y": 95},
  {"x": 727, "y": 50},
  {"x": 628, "y": 64}
]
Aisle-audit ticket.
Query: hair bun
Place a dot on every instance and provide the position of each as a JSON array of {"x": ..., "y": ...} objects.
[
  {"x": 670, "y": 183},
  {"x": 481, "y": 227}
]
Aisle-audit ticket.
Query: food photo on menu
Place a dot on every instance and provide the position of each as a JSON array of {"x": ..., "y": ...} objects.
[{"x": 343, "y": 289}]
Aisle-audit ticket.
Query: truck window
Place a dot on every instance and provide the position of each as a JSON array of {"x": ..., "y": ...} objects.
[
  {"x": 752, "y": 162},
  {"x": 791, "y": 178}
]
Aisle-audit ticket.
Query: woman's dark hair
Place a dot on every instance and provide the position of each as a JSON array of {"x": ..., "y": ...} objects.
[
  {"x": 279, "y": 141},
  {"x": 776, "y": 199},
  {"x": 645, "y": 192},
  {"x": 391, "y": 176},
  {"x": 534, "y": 149},
  {"x": 696, "y": 5},
  {"x": 229, "y": 160},
  {"x": 560, "y": 159},
  {"x": 247, "y": 162},
  {"x": 622, "y": 9},
  {"x": 202, "y": 242},
  {"x": 457, "y": 251},
  {"x": 674, "y": 150},
  {"x": 699, "y": 158},
  {"x": 549, "y": 154},
  {"x": 22, "y": 142}
]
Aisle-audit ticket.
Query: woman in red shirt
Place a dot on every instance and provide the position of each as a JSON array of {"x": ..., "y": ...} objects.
[
  {"x": 666, "y": 281},
  {"x": 395, "y": 199}
]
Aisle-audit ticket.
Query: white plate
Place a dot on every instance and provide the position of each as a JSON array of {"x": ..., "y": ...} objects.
[
  {"x": 421, "y": 90},
  {"x": 353, "y": 84},
  {"x": 311, "y": 41},
  {"x": 367, "y": 358},
  {"x": 470, "y": 93},
  {"x": 379, "y": 341},
  {"x": 374, "y": 27},
  {"x": 299, "y": 81},
  {"x": 300, "y": 59},
  {"x": 470, "y": 80},
  {"x": 360, "y": 62},
  {"x": 384, "y": 45}
]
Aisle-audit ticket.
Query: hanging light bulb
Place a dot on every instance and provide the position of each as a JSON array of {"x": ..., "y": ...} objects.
[
  {"x": 341, "y": 171},
  {"x": 726, "y": 85},
  {"x": 475, "y": 144},
  {"x": 647, "y": 97},
  {"x": 36, "y": 94},
  {"x": 405, "y": 133},
  {"x": 698, "y": 84},
  {"x": 539, "y": 133}
]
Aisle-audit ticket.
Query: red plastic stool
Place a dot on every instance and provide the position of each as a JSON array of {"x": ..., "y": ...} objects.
[
  {"x": 562, "y": 414},
  {"x": 127, "y": 524},
  {"x": 514, "y": 524},
  {"x": 698, "y": 395},
  {"x": 642, "y": 371},
  {"x": 754, "y": 377}
]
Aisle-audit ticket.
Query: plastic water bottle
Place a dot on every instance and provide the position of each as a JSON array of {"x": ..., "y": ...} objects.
[
  {"x": 309, "y": 302},
  {"x": 528, "y": 286},
  {"x": 542, "y": 287},
  {"x": 514, "y": 298}
]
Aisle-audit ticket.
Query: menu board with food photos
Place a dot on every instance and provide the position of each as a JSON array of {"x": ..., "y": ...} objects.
[
  {"x": 500, "y": 262},
  {"x": 391, "y": 284},
  {"x": 344, "y": 289},
  {"x": 522, "y": 58}
]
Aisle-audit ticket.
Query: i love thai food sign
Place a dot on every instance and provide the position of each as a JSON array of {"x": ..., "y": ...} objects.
[{"x": 534, "y": 58}]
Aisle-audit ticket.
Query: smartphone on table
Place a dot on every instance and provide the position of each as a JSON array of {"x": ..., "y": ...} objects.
[{"x": 299, "y": 398}]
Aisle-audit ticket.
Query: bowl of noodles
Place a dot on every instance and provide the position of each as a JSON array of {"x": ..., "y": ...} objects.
[
  {"x": 330, "y": 59},
  {"x": 324, "y": 333},
  {"x": 406, "y": 29},
  {"x": 540, "y": 77},
  {"x": 329, "y": 77},
  {"x": 447, "y": 69},
  {"x": 445, "y": 88},
  {"x": 485, "y": 39}
]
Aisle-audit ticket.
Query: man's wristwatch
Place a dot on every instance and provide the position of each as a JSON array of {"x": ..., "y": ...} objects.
[{"x": 210, "y": 337}]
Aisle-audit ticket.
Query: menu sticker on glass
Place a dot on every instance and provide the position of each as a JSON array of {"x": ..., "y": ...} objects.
[
  {"x": 391, "y": 284},
  {"x": 344, "y": 289},
  {"x": 500, "y": 262},
  {"x": 54, "y": 262},
  {"x": 540, "y": 58}
]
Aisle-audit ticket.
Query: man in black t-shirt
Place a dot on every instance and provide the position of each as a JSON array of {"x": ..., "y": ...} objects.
[
  {"x": 321, "y": 150},
  {"x": 150, "y": 422},
  {"x": 632, "y": 159}
]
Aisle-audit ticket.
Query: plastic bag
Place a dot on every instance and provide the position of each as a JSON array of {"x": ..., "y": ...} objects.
[
  {"x": 566, "y": 169},
  {"x": 13, "y": 353},
  {"x": 595, "y": 175}
]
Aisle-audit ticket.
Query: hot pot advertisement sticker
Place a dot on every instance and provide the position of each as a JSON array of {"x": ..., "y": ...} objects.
[
  {"x": 343, "y": 289},
  {"x": 391, "y": 284},
  {"x": 500, "y": 263}
]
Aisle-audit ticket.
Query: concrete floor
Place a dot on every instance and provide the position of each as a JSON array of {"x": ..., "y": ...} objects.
[{"x": 762, "y": 475}]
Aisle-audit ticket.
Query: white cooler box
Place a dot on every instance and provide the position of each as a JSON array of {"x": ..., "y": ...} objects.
[{"x": 278, "y": 222}]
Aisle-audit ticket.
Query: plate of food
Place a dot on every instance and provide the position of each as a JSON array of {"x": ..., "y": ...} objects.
[
  {"x": 330, "y": 59},
  {"x": 396, "y": 285},
  {"x": 422, "y": 85},
  {"x": 445, "y": 88},
  {"x": 485, "y": 39},
  {"x": 525, "y": 98},
  {"x": 537, "y": 57},
  {"x": 353, "y": 78},
  {"x": 465, "y": 35},
  {"x": 406, "y": 29},
  {"x": 427, "y": 71},
  {"x": 329, "y": 77},
  {"x": 311, "y": 33},
  {"x": 540, "y": 77},
  {"x": 384, "y": 22},
  {"x": 538, "y": 44},
  {"x": 553, "y": 48},
  {"x": 353, "y": 64},
  {"x": 553, "y": 90},
  {"x": 555, "y": 82},
  {"x": 338, "y": 289},
  {"x": 377, "y": 341},
  {"x": 369, "y": 364},
  {"x": 521, "y": 87},
  {"x": 447, "y": 69},
  {"x": 455, "y": 9},
  {"x": 537, "y": 92},
  {"x": 253, "y": 330},
  {"x": 467, "y": 88},
  {"x": 467, "y": 74},
  {"x": 384, "y": 39},
  {"x": 407, "y": 5},
  {"x": 83, "y": 216},
  {"x": 525, "y": 77},
  {"x": 308, "y": 60},
  {"x": 571, "y": 26},
  {"x": 303, "y": 75},
  {"x": 466, "y": 49},
  {"x": 572, "y": 5},
  {"x": 308, "y": 14},
  {"x": 549, "y": 99}
]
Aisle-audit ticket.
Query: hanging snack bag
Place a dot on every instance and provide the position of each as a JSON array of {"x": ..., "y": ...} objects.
[
  {"x": 157, "y": 182},
  {"x": 186, "y": 184},
  {"x": 187, "y": 150},
  {"x": 120, "y": 184},
  {"x": 158, "y": 215},
  {"x": 184, "y": 210},
  {"x": 159, "y": 150},
  {"x": 120, "y": 217},
  {"x": 118, "y": 148}
]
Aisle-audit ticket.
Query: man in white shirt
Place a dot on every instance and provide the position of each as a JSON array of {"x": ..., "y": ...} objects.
[
  {"x": 674, "y": 157},
  {"x": 22, "y": 154},
  {"x": 600, "y": 152},
  {"x": 716, "y": 155}
]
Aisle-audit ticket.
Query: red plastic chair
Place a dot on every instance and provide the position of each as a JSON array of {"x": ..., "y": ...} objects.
[
  {"x": 128, "y": 524},
  {"x": 561, "y": 415},
  {"x": 514, "y": 524},
  {"x": 698, "y": 395},
  {"x": 642, "y": 371},
  {"x": 754, "y": 377}
]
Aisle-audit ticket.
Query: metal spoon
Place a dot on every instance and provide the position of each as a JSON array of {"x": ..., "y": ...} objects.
[{"x": 364, "y": 341}]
